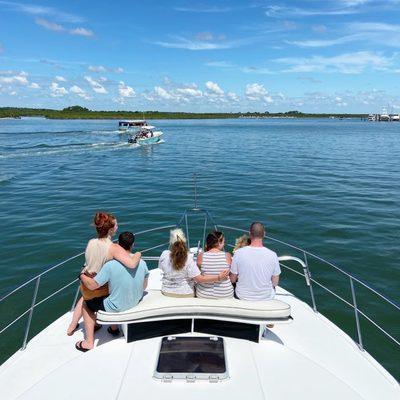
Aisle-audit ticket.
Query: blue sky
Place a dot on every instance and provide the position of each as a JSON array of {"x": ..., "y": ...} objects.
[{"x": 315, "y": 56}]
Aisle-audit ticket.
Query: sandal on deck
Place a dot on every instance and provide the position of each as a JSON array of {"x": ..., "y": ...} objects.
[{"x": 79, "y": 347}]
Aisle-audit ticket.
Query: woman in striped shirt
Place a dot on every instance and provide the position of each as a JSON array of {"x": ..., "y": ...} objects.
[
  {"x": 180, "y": 271},
  {"x": 212, "y": 262}
]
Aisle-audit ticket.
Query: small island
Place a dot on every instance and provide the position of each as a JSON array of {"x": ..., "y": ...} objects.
[{"x": 78, "y": 112}]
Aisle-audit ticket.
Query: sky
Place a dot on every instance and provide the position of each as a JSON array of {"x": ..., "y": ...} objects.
[{"x": 202, "y": 56}]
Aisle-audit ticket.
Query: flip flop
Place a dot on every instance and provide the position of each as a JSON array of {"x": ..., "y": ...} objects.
[
  {"x": 113, "y": 332},
  {"x": 79, "y": 347}
]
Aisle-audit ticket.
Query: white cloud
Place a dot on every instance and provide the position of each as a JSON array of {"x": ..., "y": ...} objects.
[
  {"x": 34, "y": 85},
  {"x": 347, "y": 63},
  {"x": 96, "y": 86},
  {"x": 220, "y": 64},
  {"x": 189, "y": 91},
  {"x": 162, "y": 93},
  {"x": 81, "y": 32},
  {"x": 214, "y": 88},
  {"x": 55, "y": 27},
  {"x": 257, "y": 92},
  {"x": 51, "y": 26},
  {"x": 125, "y": 90},
  {"x": 20, "y": 79},
  {"x": 319, "y": 28},
  {"x": 76, "y": 89},
  {"x": 33, "y": 9},
  {"x": 325, "y": 42},
  {"x": 57, "y": 91},
  {"x": 285, "y": 12},
  {"x": 97, "y": 68},
  {"x": 374, "y": 26},
  {"x": 60, "y": 79},
  {"x": 102, "y": 68},
  {"x": 233, "y": 96},
  {"x": 79, "y": 92},
  {"x": 179, "y": 42}
]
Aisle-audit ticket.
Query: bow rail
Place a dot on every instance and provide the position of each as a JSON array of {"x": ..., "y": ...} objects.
[{"x": 286, "y": 262}]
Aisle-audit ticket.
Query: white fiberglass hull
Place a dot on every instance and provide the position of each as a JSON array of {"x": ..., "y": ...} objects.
[{"x": 308, "y": 358}]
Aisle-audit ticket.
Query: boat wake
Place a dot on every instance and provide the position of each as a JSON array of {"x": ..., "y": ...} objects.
[{"x": 45, "y": 149}]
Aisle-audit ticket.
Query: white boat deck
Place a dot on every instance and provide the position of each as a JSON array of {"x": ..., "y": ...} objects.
[{"x": 308, "y": 358}]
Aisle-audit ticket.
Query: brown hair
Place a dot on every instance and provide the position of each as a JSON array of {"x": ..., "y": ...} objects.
[
  {"x": 179, "y": 254},
  {"x": 257, "y": 230},
  {"x": 213, "y": 240},
  {"x": 103, "y": 222}
]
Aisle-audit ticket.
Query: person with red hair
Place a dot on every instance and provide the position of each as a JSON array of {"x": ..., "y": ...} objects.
[{"x": 98, "y": 251}]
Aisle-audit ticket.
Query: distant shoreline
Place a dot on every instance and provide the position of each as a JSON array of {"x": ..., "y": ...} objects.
[{"x": 77, "y": 112}]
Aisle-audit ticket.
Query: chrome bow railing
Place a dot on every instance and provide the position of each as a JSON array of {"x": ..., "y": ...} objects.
[{"x": 208, "y": 223}]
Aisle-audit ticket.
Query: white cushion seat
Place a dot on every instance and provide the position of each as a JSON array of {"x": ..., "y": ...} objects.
[{"x": 157, "y": 306}]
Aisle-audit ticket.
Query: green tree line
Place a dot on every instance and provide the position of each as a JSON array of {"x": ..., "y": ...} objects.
[{"x": 77, "y": 112}]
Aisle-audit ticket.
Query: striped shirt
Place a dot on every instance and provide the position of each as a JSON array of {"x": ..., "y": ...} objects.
[{"x": 214, "y": 263}]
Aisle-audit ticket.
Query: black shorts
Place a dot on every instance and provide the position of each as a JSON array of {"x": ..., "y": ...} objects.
[{"x": 96, "y": 304}]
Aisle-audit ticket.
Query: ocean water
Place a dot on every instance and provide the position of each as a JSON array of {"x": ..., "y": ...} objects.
[{"x": 328, "y": 186}]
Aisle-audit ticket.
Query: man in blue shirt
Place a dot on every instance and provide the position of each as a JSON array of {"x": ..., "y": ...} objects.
[{"x": 126, "y": 288}]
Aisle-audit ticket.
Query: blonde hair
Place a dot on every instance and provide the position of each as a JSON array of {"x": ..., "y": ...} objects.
[
  {"x": 241, "y": 241},
  {"x": 178, "y": 247},
  {"x": 175, "y": 235}
]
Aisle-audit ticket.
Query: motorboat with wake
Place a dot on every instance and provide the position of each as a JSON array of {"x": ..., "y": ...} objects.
[
  {"x": 145, "y": 136},
  {"x": 200, "y": 348}
]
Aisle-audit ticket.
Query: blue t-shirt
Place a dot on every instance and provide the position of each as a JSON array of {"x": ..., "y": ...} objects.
[{"x": 125, "y": 285}]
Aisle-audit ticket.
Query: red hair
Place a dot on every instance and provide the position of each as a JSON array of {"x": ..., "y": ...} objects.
[{"x": 103, "y": 222}]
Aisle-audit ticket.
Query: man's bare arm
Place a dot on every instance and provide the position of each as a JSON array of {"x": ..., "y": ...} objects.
[
  {"x": 233, "y": 277},
  {"x": 145, "y": 283},
  {"x": 275, "y": 280},
  {"x": 90, "y": 283}
]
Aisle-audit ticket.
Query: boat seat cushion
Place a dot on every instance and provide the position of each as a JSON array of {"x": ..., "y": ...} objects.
[{"x": 156, "y": 305}]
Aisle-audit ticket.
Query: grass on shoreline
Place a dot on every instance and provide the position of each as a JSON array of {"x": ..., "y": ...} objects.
[{"x": 77, "y": 112}]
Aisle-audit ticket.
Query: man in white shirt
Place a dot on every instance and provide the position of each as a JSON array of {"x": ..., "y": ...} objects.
[{"x": 255, "y": 268}]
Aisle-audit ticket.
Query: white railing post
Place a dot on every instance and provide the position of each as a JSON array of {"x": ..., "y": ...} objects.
[
  {"x": 353, "y": 294},
  {"x": 75, "y": 298},
  {"x": 28, "y": 324},
  {"x": 308, "y": 273},
  {"x": 187, "y": 231},
  {"x": 204, "y": 230}
]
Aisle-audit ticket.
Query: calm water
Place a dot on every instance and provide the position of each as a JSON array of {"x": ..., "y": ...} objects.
[{"x": 329, "y": 186}]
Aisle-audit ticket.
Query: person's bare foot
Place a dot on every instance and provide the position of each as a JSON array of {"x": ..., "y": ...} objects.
[{"x": 72, "y": 329}]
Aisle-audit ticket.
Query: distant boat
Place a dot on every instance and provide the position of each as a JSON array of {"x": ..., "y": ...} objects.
[
  {"x": 371, "y": 117},
  {"x": 145, "y": 136},
  {"x": 395, "y": 117},
  {"x": 127, "y": 125},
  {"x": 384, "y": 116}
]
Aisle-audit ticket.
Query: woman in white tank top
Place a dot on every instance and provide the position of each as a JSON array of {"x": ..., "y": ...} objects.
[
  {"x": 212, "y": 262},
  {"x": 98, "y": 252}
]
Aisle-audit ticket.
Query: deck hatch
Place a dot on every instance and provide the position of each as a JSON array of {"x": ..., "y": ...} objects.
[{"x": 192, "y": 358}]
